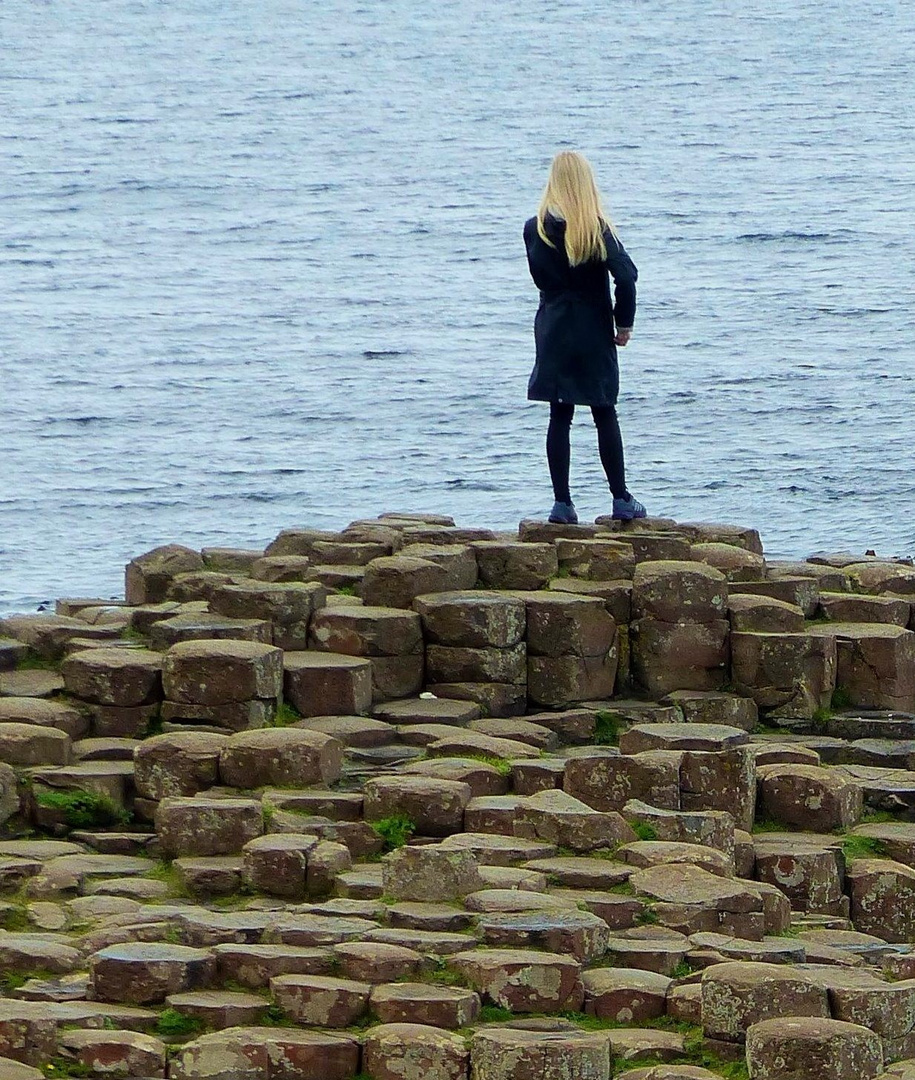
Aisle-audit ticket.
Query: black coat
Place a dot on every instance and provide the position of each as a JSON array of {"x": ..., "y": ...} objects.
[{"x": 574, "y": 327}]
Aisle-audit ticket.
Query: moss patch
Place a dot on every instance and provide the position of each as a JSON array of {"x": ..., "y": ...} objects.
[{"x": 83, "y": 809}]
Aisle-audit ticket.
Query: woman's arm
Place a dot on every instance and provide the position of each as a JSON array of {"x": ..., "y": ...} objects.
[{"x": 624, "y": 273}]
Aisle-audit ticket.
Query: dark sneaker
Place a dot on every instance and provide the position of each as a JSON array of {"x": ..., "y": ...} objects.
[
  {"x": 563, "y": 514},
  {"x": 627, "y": 509}
]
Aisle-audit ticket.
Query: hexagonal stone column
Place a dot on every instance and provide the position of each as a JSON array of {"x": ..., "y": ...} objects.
[
  {"x": 138, "y": 973},
  {"x": 328, "y": 684},
  {"x": 798, "y": 1048}
]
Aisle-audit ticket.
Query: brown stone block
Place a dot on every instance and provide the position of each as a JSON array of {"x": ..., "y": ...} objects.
[
  {"x": 566, "y": 680},
  {"x": 809, "y": 797},
  {"x": 203, "y": 826},
  {"x": 811, "y": 1049},
  {"x": 122, "y": 677},
  {"x": 177, "y": 764},
  {"x": 286, "y": 757},
  {"x": 147, "y": 578},
  {"x": 328, "y": 684},
  {"x": 723, "y": 780},
  {"x": 422, "y": 1003},
  {"x": 407, "y": 1051},
  {"x": 607, "y": 780},
  {"x": 436, "y": 807},
  {"x": 738, "y": 994},
  {"x": 456, "y": 664},
  {"x": 506, "y": 1054},
  {"x": 670, "y": 591},
  {"x": 785, "y": 674},
  {"x": 515, "y": 565},
  {"x": 220, "y": 672},
  {"x": 521, "y": 980},
  {"x": 875, "y": 664},
  {"x": 367, "y": 631},
  {"x": 395, "y": 581},
  {"x": 144, "y": 974},
  {"x": 472, "y": 619},
  {"x": 668, "y": 656}
]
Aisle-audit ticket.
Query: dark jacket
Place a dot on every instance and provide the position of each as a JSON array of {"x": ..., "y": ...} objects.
[{"x": 574, "y": 327}]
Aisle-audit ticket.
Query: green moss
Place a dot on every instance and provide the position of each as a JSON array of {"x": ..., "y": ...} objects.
[
  {"x": 501, "y": 765},
  {"x": 862, "y": 847},
  {"x": 274, "y": 1016},
  {"x": 345, "y": 590},
  {"x": 764, "y": 825},
  {"x": 83, "y": 809},
  {"x": 647, "y": 917},
  {"x": 177, "y": 1025},
  {"x": 395, "y": 830},
  {"x": 63, "y": 1067},
  {"x": 16, "y": 920},
  {"x": 841, "y": 699},
  {"x": 165, "y": 872},
  {"x": 10, "y": 981},
  {"x": 30, "y": 662},
  {"x": 821, "y": 717},
  {"x": 681, "y": 971},
  {"x": 154, "y": 726},
  {"x": 445, "y": 975},
  {"x": 877, "y": 817},
  {"x": 495, "y": 1014},
  {"x": 286, "y": 716},
  {"x": 607, "y": 727},
  {"x": 643, "y": 830}
]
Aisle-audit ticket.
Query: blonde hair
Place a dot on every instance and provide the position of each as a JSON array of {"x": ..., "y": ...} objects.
[{"x": 571, "y": 193}]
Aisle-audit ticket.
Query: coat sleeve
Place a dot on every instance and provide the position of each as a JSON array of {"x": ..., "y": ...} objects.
[{"x": 622, "y": 270}]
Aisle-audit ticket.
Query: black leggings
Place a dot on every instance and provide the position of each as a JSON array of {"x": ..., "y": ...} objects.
[{"x": 609, "y": 443}]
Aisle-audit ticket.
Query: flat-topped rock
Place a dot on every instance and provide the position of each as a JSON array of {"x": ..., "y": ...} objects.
[
  {"x": 244, "y": 1053},
  {"x": 504, "y": 1053},
  {"x": 177, "y": 764},
  {"x": 394, "y": 1051},
  {"x": 498, "y": 850},
  {"x": 287, "y": 757},
  {"x": 114, "y": 676},
  {"x": 38, "y": 712},
  {"x": 810, "y": 1049},
  {"x": 522, "y": 980},
  {"x": 428, "y": 710},
  {"x": 33, "y": 683},
  {"x": 687, "y": 736},
  {"x": 144, "y": 974},
  {"x": 327, "y": 684},
  {"x": 207, "y": 826},
  {"x": 222, "y": 672},
  {"x": 30, "y": 744}
]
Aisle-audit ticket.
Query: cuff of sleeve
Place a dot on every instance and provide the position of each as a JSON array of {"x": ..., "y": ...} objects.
[{"x": 624, "y": 329}]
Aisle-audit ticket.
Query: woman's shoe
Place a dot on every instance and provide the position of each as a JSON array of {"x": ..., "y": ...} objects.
[
  {"x": 627, "y": 509},
  {"x": 563, "y": 514}
]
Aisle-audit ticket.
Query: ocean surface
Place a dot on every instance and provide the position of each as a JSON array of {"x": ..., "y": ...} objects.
[{"x": 261, "y": 267}]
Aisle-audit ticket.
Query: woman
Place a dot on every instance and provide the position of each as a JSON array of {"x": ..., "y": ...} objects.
[{"x": 571, "y": 245}]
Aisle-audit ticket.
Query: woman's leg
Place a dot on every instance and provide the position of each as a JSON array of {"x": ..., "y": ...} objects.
[
  {"x": 558, "y": 452},
  {"x": 610, "y": 445}
]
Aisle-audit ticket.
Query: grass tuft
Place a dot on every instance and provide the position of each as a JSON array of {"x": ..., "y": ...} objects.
[
  {"x": 495, "y": 1014},
  {"x": 286, "y": 716},
  {"x": 83, "y": 809},
  {"x": 394, "y": 830},
  {"x": 607, "y": 726},
  {"x": 643, "y": 830},
  {"x": 177, "y": 1025}
]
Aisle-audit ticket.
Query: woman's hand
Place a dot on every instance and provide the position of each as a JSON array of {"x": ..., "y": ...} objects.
[{"x": 622, "y": 337}]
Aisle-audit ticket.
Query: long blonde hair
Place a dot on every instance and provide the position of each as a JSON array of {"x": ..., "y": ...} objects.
[{"x": 571, "y": 193}]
